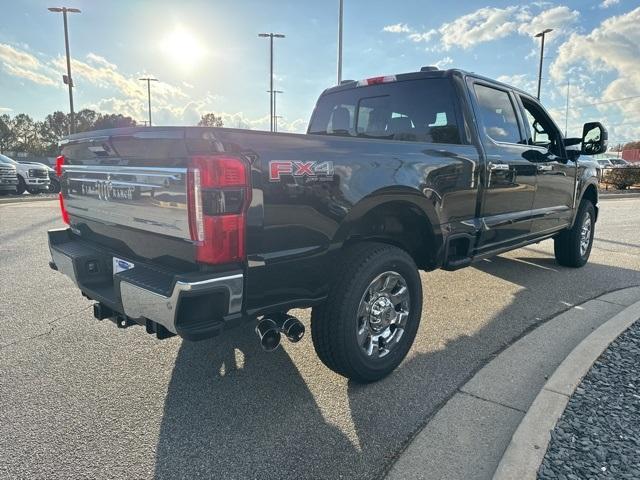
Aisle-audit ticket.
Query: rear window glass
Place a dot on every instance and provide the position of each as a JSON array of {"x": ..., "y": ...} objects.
[{"x": 411, "y": 110}]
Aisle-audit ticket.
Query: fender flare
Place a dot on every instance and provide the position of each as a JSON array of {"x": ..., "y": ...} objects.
[
  {"x": 388, "y": 196},
  {"x": 590, "y": 184}
]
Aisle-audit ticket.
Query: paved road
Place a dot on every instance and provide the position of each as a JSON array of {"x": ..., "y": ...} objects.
[{"x": 81, "y": 398}]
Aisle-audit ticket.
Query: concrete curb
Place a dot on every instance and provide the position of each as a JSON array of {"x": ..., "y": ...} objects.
[
  {"x": 467, "y": 437},
  {"x": 608, "y": 196},
  {"x": 26, "y": 200},
  {"x": 529, "y": 443}
]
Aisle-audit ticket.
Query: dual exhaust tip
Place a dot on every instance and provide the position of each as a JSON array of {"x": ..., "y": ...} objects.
[{"x": 271, "y": 329}]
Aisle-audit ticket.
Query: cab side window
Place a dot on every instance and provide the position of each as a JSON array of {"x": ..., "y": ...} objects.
[
  {"x": 498, "y": 115},
  {"x": 542, "y": 131}
]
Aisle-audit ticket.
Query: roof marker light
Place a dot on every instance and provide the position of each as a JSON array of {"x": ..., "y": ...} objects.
[{"x": 376, "y": 80}]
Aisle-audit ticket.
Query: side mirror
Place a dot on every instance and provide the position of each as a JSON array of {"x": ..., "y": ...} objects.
[{"x": 594, "y": 138}]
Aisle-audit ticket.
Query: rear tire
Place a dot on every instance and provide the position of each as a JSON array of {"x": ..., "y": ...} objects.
[
  {"x": 369, "y": 321},
  {"x": 572, "y": 247}
]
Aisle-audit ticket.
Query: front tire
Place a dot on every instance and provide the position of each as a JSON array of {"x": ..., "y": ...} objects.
[
  {"x": 22, "y": 186},
  {"x": 54, "y": 186},
  {"x": 572, "y": 247},
  {"x": 369, "y": 321}
]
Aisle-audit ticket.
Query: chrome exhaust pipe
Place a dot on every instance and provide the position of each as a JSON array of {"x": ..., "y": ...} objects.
[
  {"x": 269, "y": 334},
  {"x": 292, "y": 328}
]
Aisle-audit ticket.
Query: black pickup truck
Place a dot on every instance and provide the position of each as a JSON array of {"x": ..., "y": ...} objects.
[{"x": 189, "y": 230}]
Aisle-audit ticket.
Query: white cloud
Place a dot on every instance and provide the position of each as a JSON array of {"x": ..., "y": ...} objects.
[
  {"x": 491, "y": 23},
  {"x": 101, "y": 61},
  {"x": 555, "y": 18},
  {"x": 609, "y": 3},
  {"x": 5, "y": 109},
  {"x": 397, "y": 28},
  {"x": 610, "y": 50},
  {"x": 424, "y": 36},
  {"x": 483, "y": 25},
  {"x": 444, "y": 62},
  {"x": 18, "y": 58},
  {"x": 521, "y": 81},
  {"x": 20, "y": 63},
  {"x": 35, "y": 77}
]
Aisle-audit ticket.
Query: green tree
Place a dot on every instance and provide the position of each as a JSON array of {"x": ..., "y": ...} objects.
[
  {"x": 113, "y": 120},
  {"x": 86, "y": 120},
  {"x": 52, "y": 129},
  {"x": 5, "y": 132},
  {"x": 26, "y": 134},
  {"x": 210, "y": 120}
]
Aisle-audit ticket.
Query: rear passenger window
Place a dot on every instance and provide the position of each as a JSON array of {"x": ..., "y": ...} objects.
[
  {"x": 409, "y": 110},
  {"x": 498, "y": 115}
]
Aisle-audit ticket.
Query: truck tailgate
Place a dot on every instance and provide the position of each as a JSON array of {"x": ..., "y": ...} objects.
[
  {"x": 126, "y": 189},
  {"x": 153, "y": 199}
]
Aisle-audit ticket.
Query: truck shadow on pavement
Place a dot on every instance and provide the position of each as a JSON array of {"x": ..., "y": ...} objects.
[
  {"x": 259, "y": 419},
  {"x": 234, "y": 411}
]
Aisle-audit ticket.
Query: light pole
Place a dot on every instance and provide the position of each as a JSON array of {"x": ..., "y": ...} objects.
[
  {"x": 68, "y": 80},
  {"x": 566, "y": 113},
  {"x": 275, "y": 121},
  {"x": 541, "y": 34},
  {"x": 149, "y": 80},
  {"x": 275, "y": 110},
  {"x": 340, "y": 18},
  {"x": 271, "y": 36}
]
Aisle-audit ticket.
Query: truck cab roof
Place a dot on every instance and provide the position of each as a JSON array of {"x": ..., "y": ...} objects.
[{"x": 427, "y": 72}]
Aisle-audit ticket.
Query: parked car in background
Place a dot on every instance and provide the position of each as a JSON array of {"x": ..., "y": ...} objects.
[
  {"x": 34, "y": 178},
  {"x": 618, "y": 162},
  {"x": 8, "y": 176},
  {"x": 604, "y": 163},
  {"x": 54, "y": 182}
]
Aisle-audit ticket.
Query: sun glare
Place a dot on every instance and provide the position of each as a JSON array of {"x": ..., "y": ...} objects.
[{"x": 183, "y": 48}]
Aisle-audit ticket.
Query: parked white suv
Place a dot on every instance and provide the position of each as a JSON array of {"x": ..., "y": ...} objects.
[{"x": 34, "y": 178}]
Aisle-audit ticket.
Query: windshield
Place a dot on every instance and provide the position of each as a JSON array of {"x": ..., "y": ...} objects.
[{"x": 5, "y": 159}]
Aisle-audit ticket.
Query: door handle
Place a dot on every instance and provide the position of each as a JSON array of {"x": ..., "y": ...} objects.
[{"x": 498, "y": 166}]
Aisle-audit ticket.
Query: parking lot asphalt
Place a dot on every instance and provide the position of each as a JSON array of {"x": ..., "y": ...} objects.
[{"x": 81, "y": 398}]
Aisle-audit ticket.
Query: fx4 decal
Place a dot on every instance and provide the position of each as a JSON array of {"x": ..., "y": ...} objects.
[{"x": 300, "y": 169}]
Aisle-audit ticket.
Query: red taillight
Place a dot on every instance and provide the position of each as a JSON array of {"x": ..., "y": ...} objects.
[
  {"x": 218, "y": 197},
  {"x": 59, "y": 163},
  {"x": 63, "y": 210}
]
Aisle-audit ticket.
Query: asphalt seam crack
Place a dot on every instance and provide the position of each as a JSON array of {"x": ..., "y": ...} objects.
[
  {"x": 556, "y": 392},
  {"x": 50, "y": 325},
  {"x": 491, "y": 401},
  {"x": 612, "y": 303}
]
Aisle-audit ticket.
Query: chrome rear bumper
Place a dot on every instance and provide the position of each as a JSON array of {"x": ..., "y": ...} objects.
[
  {"x": 138, "y": 302},
  {"x": 190, "y": 305}
]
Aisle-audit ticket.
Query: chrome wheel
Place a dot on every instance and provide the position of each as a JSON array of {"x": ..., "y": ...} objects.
[
  {"x": 585, "y": 234},
  {"x": 382, "y": 314}
]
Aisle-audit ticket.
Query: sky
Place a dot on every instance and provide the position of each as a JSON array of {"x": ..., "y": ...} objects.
[{"x": 207, "y": 55}]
